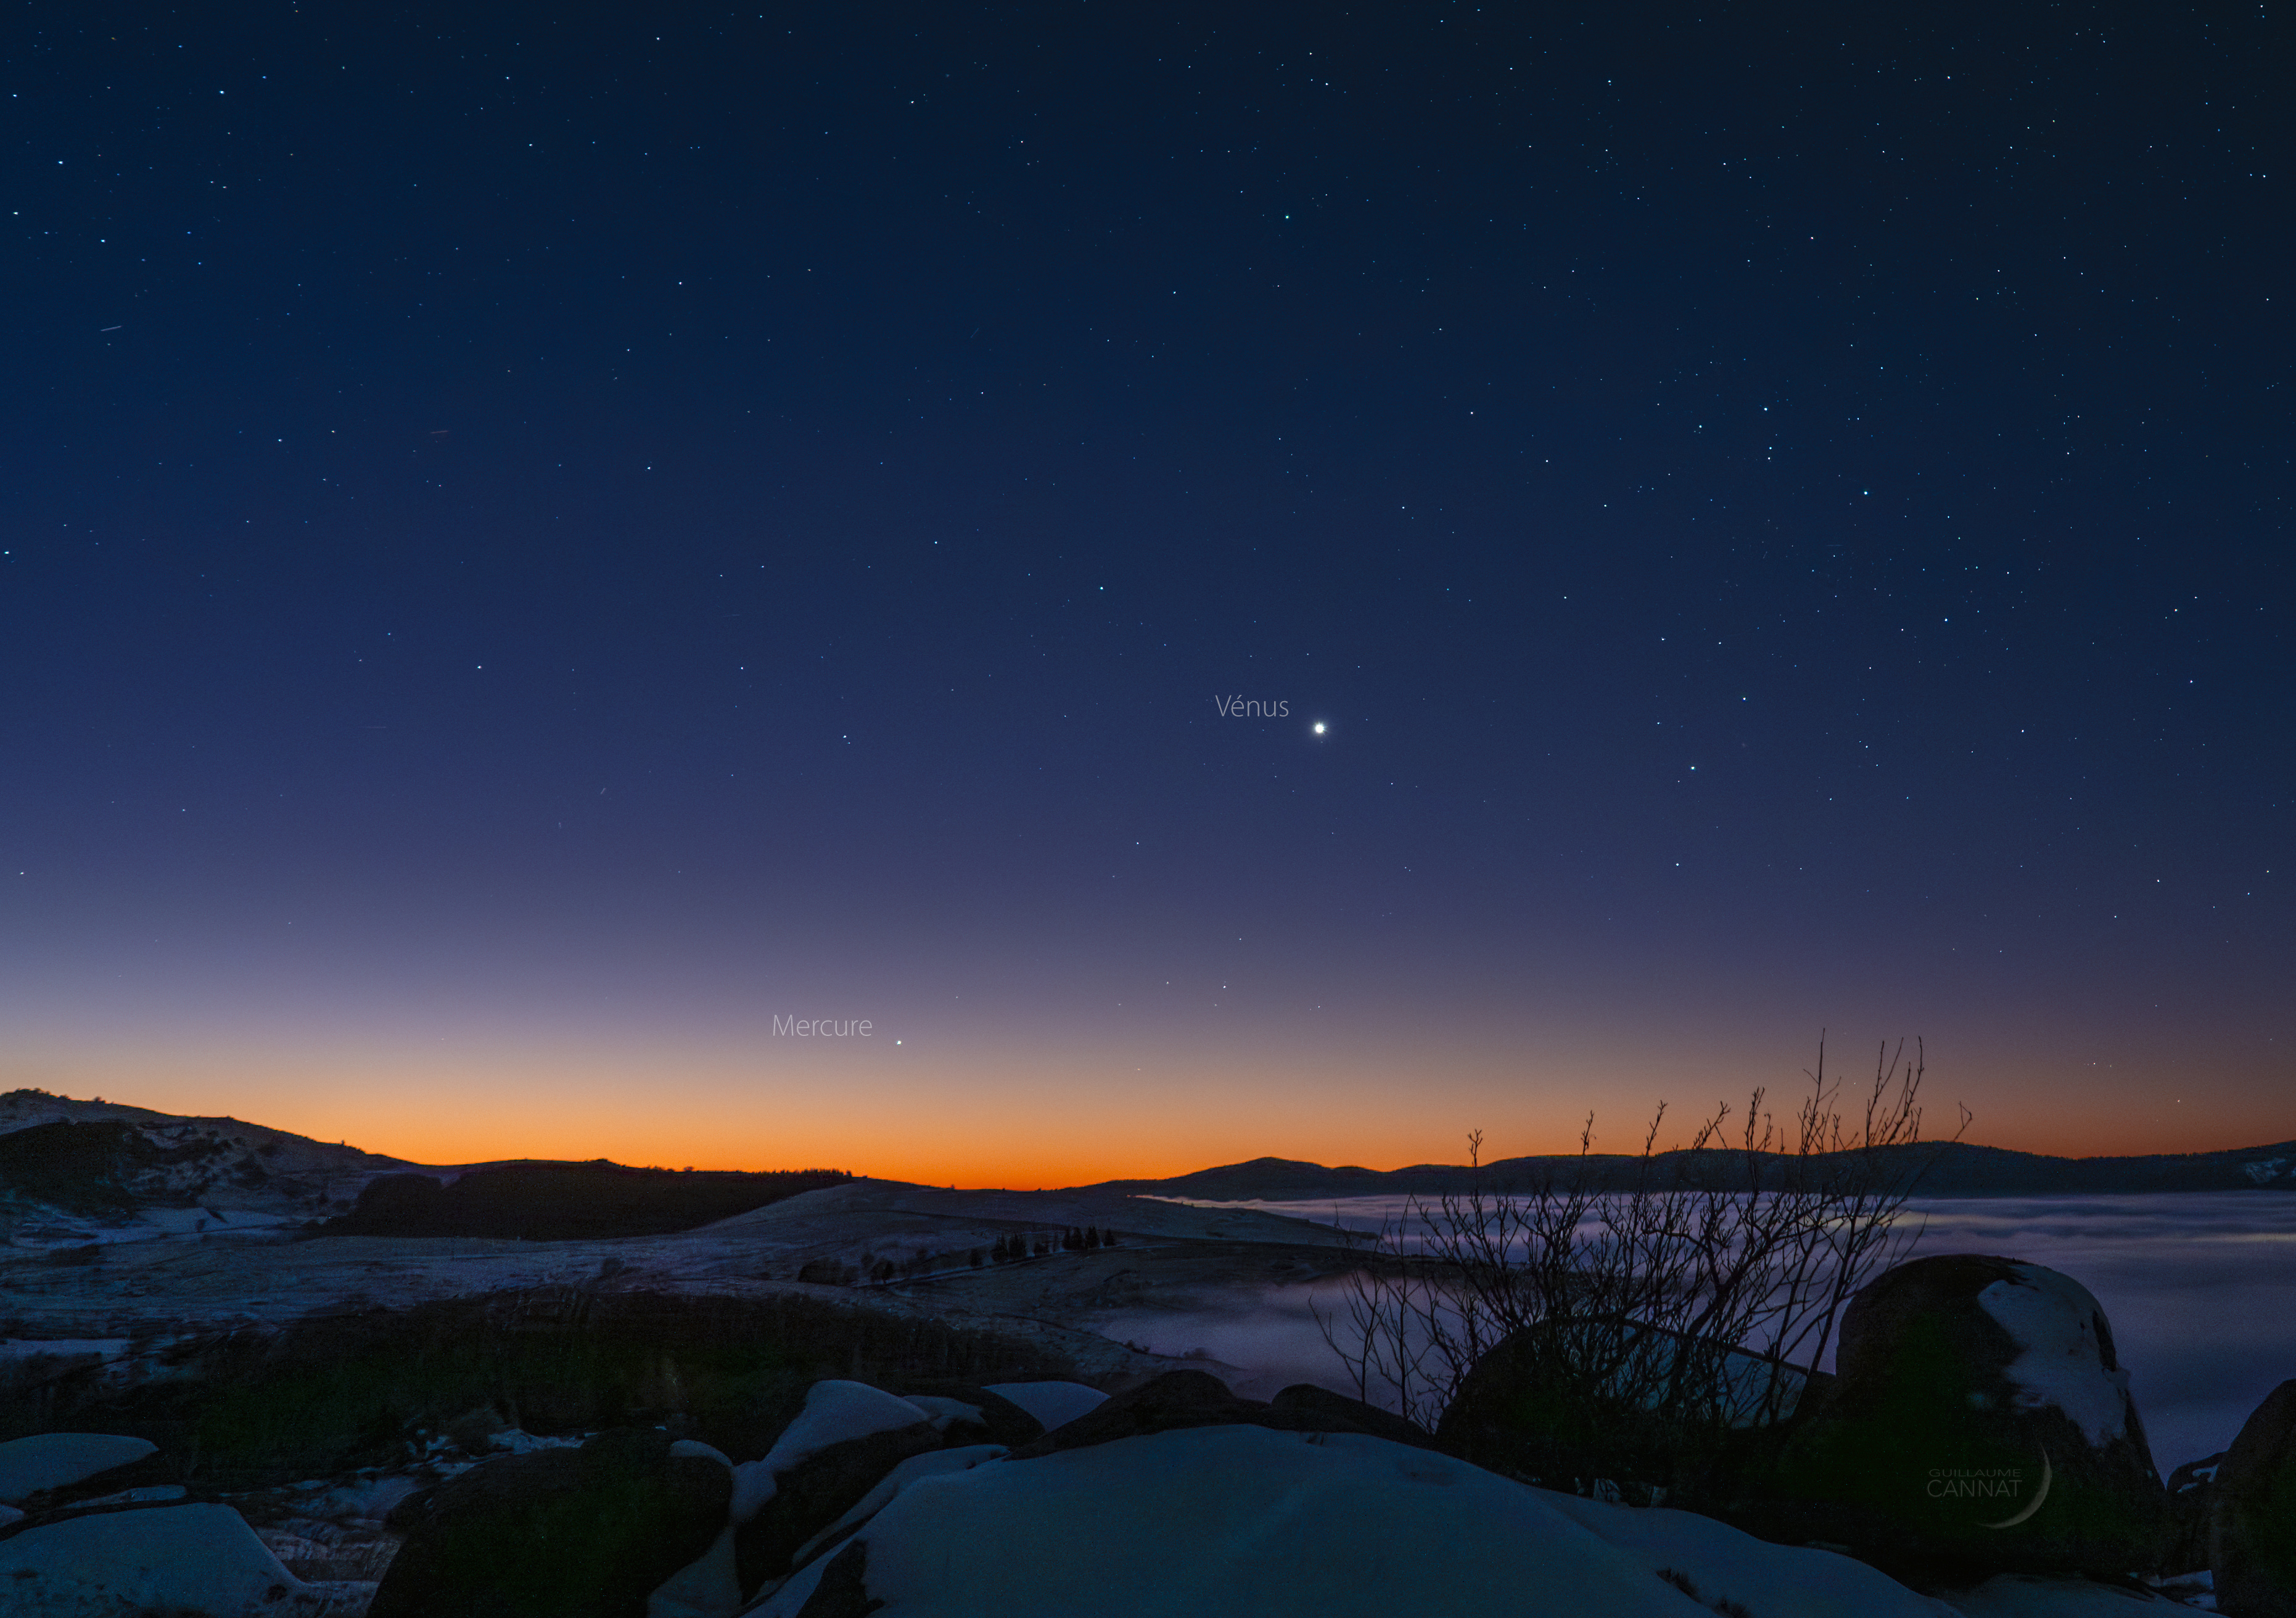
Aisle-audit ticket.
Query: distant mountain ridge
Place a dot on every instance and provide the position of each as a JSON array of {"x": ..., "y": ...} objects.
[
  {"x": 77, "y": 1170},
  {"x": 74, "y": 1173},
  {"x": 1932, "y": 1168}
]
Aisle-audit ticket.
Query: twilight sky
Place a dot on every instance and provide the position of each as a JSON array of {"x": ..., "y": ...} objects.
[{"x": 536, "y": 542}]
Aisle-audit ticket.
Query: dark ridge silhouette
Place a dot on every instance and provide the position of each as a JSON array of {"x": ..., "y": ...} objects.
[
  {"x": 562, "y": 1202},
  {"x": 1930, "y": 1168}
]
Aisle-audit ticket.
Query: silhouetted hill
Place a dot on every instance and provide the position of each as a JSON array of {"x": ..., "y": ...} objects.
[
  {"x": 1931, "y": 1169},
  {"x": 547, "y": 1201}
]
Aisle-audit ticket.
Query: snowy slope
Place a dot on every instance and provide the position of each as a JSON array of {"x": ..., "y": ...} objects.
[{"x": 1241, "y": 1522}]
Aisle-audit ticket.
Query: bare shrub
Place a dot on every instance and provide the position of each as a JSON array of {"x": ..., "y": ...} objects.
[{"x": 1693, "y": 1288}]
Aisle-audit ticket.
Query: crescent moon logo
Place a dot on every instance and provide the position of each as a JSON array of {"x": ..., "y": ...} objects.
[{"x": 2040, "y": 1495}]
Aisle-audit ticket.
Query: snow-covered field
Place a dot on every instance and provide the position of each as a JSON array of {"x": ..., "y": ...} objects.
[{"x": 2201, "y": 1289}]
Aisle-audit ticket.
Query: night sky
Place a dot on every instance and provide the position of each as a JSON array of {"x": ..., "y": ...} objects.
[{"x": 539, "y": 541}]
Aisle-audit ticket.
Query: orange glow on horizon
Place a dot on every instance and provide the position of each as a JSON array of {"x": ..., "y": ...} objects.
[
  {"x": 1048, "y": 1157},
  {"x": 1080, "y": 1114}
]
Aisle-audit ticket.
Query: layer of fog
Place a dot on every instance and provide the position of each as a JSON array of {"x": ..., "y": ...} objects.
[{"x": 2200, "y": 1290}]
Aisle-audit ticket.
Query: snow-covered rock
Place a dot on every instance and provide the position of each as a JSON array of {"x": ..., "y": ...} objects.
[
  {"x": 1245, "y": 1521},
  {"x": 931, "y": 1463},
  {"x": 1054, "y": 1404},
  {"x": 834, "y": 1412},
  {"x": 944, "y": 1412},
  {"x": 1979, "y": 1423},
  {"x": 201, "y": 1559},
  {"x": 1722, "y": 1563},
  {"x": 2065, "y": 1358},
  {"x": 849, "y": 1436},
  {"x": 50, "y": 1460}
]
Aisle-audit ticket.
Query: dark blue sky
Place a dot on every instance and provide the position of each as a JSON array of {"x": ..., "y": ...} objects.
[{"x": 535, "y": 542}]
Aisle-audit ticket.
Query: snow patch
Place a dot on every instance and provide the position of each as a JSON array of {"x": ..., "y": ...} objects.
[
  {"x": 2053, "y": 1319},
  {"x": 65, "y": 1348},
  {"x": 834, "y": 1412},
  {"x": 931, "y": 1464},
  {"x": 50, "y": 1460},
  {"x": 1054, "y": 1404},
  {"x": 150, "y": 1495},
  {"x": 517, "y": 1440},
  {"x": 1774, "y": 1581},
  {"x": 1242, "y": 1521},
  {"x": 189, "y": 1559}
]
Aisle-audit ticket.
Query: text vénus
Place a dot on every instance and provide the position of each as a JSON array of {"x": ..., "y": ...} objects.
[{"x": 1236, "y": 707}]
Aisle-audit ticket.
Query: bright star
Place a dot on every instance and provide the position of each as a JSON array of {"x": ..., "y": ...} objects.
[{"x": 1319, "y": 727}]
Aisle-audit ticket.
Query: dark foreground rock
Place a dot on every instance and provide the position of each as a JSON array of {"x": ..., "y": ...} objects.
[
  {"x": 565, "y": 1533},
  {"x": 1178, "y": 1400},
  {"x": 2191, "y": 1510},
  {"x": 195, "y": 1561},
  {"x": 2252, "y": 1521},
  {"x": 843, "y": 1591},
  {"x": 1528, "y": 1410},
  {"x": 813, "y": 1493},
  {"x": 1001, "y": 1421},
  {"x": 1330, "y": 1412},
  {"x": 1981, "y": 1423}
]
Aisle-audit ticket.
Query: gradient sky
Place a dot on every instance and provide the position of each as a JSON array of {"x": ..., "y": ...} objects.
[{"x": 537, "y": 541}]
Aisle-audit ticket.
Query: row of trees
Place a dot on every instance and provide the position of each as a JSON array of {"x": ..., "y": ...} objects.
[
  {"x": 1011, "y": 1249},
  {"x": 1008, "y": 1250}
]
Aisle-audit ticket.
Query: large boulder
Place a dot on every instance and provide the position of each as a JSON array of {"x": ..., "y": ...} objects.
[
  {"x": 198, "y": 1561},
  {"x": 931, "y": 1463},
  {"x": 1239, "y": 1520},
  {"x": 47, "y": 1461},
  {"x": 1981, "y": 1423},
  {"x": 1178, "y": 1400},
  {"x": 568, "y": 1533},
  {"x": 844, "y": 1442},
  {"x": 814, "y": 1492},
  {"x": 1566, "y": 1405},
  {"x": 1337, "y": 1413},
  {"x": 2252, "y": 1525},
  {"x": 967, "y": 1414}
]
